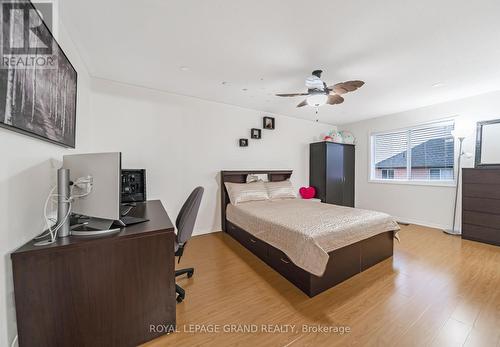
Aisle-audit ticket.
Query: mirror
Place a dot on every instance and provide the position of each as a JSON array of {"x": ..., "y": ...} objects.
[{"x": 488, "y": 144}]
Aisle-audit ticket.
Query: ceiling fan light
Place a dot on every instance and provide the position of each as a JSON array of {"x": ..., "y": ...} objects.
[{"x": 317, "y": 100}]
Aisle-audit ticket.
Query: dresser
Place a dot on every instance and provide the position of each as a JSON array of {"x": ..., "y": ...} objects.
[
  {"x": 481, "y": 205},
  {"x": 104, "y": 291},
  {"x": 331, "y": 172}
]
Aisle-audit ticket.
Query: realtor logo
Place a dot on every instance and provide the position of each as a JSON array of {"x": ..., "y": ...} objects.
[
  {"x": 27, "y": 28},
  {"x": 24, "y": 31}
]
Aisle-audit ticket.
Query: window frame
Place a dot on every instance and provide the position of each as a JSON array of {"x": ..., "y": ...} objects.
[{"x": 407, "y": 181}]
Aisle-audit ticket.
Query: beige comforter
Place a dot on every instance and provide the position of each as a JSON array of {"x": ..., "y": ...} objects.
[{"x": 305, "y": 230}]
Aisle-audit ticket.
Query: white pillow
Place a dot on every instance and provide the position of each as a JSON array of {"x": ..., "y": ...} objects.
[
  {"x": 244, "y": 192},
  {"x": 257, "y": 177},
  {"x": 280, "y": 190}
]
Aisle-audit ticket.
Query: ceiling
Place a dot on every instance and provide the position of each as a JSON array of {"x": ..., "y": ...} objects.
[{"x": 399, "y": 48}]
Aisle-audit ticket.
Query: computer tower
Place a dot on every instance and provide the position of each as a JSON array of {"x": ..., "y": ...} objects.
[{"x": 133, "y": 185}]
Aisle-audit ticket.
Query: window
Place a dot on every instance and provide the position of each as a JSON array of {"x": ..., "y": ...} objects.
[
  {"x": 424, "y": 153},
  {"x": 387, "y": 174},
  {"x": 440, "y": 174},
  {"x": 435, "y": 174}
]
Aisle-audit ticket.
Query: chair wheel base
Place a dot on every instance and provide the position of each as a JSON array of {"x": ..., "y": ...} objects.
[{"x": 181, "y": 293}]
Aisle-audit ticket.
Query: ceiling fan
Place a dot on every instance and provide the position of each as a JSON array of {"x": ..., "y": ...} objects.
[{"x": 318, "y": 93}]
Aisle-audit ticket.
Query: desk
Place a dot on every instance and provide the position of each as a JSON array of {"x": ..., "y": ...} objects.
[{"x": 104, "y": 291}]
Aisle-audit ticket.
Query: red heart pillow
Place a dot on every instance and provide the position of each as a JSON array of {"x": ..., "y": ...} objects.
[{"x": 307, "y": 192}]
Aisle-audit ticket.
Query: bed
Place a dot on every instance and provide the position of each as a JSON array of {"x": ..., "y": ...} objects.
[{"x": 315, "y": 246}]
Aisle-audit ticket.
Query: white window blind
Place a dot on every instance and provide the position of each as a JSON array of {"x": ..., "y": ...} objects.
[{"x": 424, "y": 153}]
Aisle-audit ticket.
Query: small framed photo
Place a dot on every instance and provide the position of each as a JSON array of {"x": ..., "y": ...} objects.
[
  {"x": 243, "y": 142},
  {"x": 255, "y": 133},
  {"x": 268, "y": 123}
]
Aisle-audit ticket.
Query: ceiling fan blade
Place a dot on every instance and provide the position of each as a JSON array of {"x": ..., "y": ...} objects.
[
  {"x": 303, "y": 103},
  {"x": 334, "y": 99},
  {"x": 346, "y": 87},
  {"x": 292, "y": 94}
]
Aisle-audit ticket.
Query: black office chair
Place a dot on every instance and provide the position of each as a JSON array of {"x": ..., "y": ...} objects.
[{"x": 185, "y": 225}]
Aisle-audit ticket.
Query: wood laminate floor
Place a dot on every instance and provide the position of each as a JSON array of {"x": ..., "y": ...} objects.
[{"x": 437, "y": 290}]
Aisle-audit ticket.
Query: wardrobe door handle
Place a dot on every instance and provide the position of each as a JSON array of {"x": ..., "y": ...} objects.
[{"x": 285, "y": 261}]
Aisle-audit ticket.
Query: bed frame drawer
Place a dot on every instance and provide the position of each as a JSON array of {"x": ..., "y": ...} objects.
[
  {"x": 249, "y": 241},
  {"x": 280, "y": 262},
  {"x": 376, "y": 249}
]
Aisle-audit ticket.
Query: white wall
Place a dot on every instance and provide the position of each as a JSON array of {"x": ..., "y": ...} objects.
[
  {"x": 26, "y": 174},
  {"x": 184, "y": 142},
  {"x": 426, "y": 205}
]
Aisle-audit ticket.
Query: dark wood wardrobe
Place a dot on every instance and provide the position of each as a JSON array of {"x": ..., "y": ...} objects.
[{"x": 331, "y": 172}]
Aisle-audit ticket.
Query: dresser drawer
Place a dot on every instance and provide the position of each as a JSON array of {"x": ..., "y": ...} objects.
[
  {"x": 482, "y": 219},
  {"x": 483, "y": 176},
  {"x": 482, "y": 234},
  {"x": 479, "y": 190},
  {"x": 481, "y": 205}
]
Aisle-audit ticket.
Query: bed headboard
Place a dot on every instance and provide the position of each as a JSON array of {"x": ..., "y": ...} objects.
[{"x": 241, "y": 177}]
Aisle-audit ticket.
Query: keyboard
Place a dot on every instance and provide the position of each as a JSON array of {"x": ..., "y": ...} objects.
[{"x": 129, "y": 220}]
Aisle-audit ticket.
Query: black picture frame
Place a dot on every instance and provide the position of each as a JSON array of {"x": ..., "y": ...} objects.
[
  {"x": 268, "y": 123},
  {"x": 25, "y": 94},
  {"x": 479, "y": 143},
  {"x": 255, "y": 133},
  {"x": 243, "y": 142}
]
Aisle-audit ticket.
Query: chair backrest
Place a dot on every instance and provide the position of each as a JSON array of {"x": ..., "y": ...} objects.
[{"x": 187, "y": 215}]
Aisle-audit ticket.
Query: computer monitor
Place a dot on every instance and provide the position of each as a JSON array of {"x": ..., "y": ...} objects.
[{"x": 105, "y": 169}]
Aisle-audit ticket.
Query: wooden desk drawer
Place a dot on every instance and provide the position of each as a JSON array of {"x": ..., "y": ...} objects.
[
  {"x": 489, "y": 191},
  {"x": 482, "y": 219},
  {"x": 481, "y": 205}
]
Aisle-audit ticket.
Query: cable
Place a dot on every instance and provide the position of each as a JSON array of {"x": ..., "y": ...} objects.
[
  {"x": 51, "y": 229},
  {"x": 53, "y": 232},
  {"x": 14, "y": 341},
  {"x": 88, "y": 181},
  {"x": 47, "y": 219},
  {"x": 45, "y": 213}
]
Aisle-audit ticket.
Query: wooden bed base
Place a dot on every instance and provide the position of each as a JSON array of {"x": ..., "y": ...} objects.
[{"x": 343, "y": 263}]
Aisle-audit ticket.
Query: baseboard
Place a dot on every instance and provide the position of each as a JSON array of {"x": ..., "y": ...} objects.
[
  {"x": 422, "y": 223},
  {"x": 204, "y": 232}
]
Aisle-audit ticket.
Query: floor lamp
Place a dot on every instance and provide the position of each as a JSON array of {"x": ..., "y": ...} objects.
[{"x": 460, "y": 154}]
